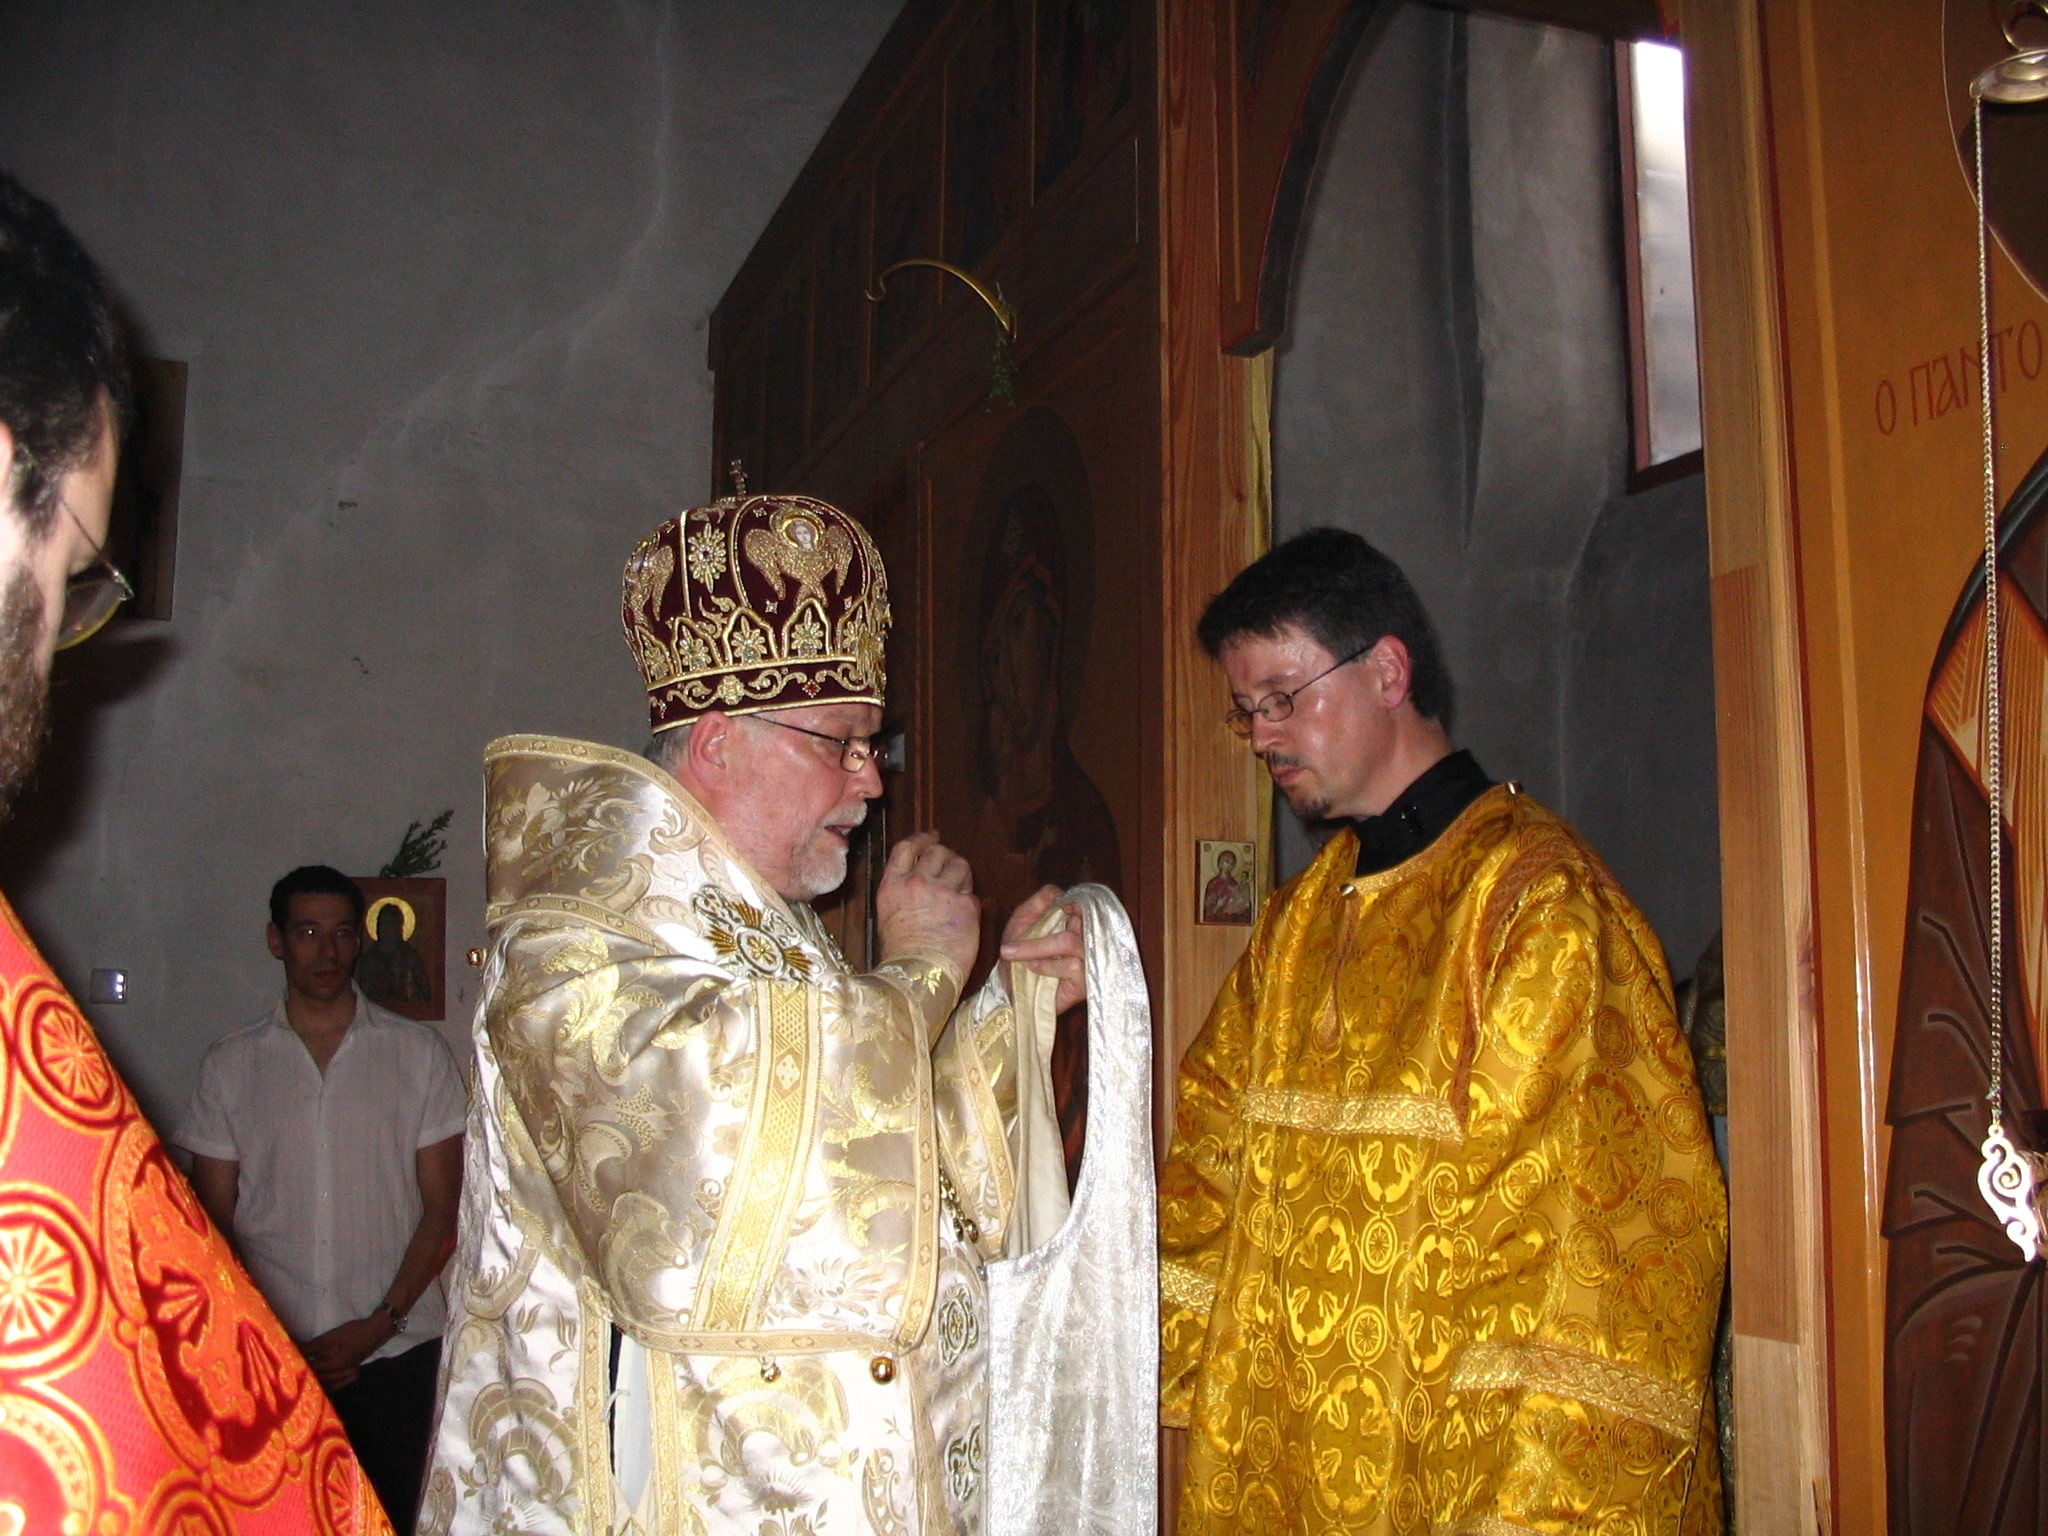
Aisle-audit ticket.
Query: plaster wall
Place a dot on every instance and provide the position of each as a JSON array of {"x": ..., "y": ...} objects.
[
  {"x": 441, "y": 274},
  {"x": 1453, "y": 386}
]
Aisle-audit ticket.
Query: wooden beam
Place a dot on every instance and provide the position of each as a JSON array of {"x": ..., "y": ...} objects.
[{"x": 1783, "y": 1419}]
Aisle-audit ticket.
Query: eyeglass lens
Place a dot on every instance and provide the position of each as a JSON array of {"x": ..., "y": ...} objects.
[{"x": 90, "y": 600}]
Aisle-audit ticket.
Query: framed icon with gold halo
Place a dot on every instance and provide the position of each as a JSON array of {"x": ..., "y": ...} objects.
[{"x": 404, "y": 964}]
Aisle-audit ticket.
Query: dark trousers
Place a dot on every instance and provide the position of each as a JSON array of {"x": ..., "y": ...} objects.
[{"x": 388, "y": 1412}]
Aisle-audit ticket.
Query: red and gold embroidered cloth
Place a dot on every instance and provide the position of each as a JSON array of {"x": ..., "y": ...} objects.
[{"x": 144, "y": 1386}]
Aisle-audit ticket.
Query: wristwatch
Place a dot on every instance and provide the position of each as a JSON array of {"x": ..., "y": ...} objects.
[{"x": 397, "y": 1317}]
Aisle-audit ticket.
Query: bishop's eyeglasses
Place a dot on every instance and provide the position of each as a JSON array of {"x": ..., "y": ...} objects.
[
  {"x": 855, "y": 752},
  {"x": 1275, "y": 707}
]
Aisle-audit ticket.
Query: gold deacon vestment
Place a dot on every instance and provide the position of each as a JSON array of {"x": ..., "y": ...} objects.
[
  {"x": 1441, "y": 1228},
  {"x": 696, "y": 1126}
]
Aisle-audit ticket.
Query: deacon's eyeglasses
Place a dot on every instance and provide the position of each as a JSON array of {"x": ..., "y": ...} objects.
[
  {"x": 1275, "y": 707},
  {"x": 92, "y": 596},
  {"x": 855, "y": 752}
]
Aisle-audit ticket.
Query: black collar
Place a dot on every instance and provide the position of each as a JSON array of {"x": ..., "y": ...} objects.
[{"x": 1420, "y": 814}]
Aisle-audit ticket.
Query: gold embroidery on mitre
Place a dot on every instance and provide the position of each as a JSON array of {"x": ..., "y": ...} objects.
[
  {"x": 1561, "y": 1371},
  {"x": 1371, "y": 1114},
  {"x": 1181, "y": 1286},
  {"x": 753, "y": 603}
]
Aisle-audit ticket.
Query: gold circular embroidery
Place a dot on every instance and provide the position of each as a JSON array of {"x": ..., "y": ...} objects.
[
  {"x": 1248, "y": 1302},
  {"x": 1280, "y": 1230},
  {"x": 1534, "y": 1093},
  {"x": 1379, "y": 1245},
  {"x": 1578, "y": 1333},
  {"x": 1522, "y": 1182},
  {"x": 1366, "y": 1336},
  {"x": 1262, "y": 1443},
  {"x": 1223, "y": 1493},
  {"x": 1547, "y": 992},
  {"x": 1265, "y": 1368},
  {"x": 1340, "y": 1174},
  {"x": 1407, "y": 1503},
  {"x": 1618, "y": 954},
  {"x": 1601, "y": 1142},
  {"x": 1573, "y": 1469},
  {"x": 1613, "y": 1038},
  {"x": 1588, "y": 1253},
  {"x": 1258, "y": 1225},
  {"x": 1445, "y": 1192},
  {"x": 1673, "y": 1208},
  {"x": 1416, "y": 1413},
  {"x": 1682, "y": 1121},
  {"x": 1655, "y": 1311},
  {"x": 1657, "y": 1036},
  {"x": 1640, "y": 1448}
]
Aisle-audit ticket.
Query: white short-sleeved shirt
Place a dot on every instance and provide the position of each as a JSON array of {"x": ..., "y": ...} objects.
[{"x": 328, "y": 1194}]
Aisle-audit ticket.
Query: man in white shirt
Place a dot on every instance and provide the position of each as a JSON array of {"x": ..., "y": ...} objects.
[{"x": 327, "y": 1144}]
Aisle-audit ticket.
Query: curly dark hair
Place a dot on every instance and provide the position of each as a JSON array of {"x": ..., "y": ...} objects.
[
  {"x": 1345, "y": 595},
  {"x": 61, "y": 352}
]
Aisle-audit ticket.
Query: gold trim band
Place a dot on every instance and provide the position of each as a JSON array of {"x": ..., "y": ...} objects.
[
  {"x": 767, "y": 1341},
  {"x": 1183, "y": 1286},
  {"x": 1628, "y": 1390},
  {"x": 774, "y": 1157},
  {"x": 1372, "y": 1114}
]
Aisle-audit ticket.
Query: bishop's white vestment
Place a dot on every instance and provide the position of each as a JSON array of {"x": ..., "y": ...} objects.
[{"x": 725, "y": 1210}]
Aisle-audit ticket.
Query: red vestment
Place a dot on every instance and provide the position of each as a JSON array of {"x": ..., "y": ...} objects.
[{"x": 145, "y": 1387}]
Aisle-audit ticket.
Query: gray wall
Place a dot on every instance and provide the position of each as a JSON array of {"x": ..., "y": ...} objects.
[
  {"x": 1453, "y": 386},
  {"x": 441, "y": 273}
]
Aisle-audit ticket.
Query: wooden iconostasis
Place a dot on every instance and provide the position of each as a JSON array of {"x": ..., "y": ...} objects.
[{"x": 1006, "y": 139}]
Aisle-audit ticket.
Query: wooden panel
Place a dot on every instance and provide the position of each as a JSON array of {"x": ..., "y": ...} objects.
[
  {"x": 908, "y": 217},
  {"x": 841, "y": 317},
  {"x": 1215, "y": 517},
  {"x": 1776, "y": 1206},
  {"x": 1084, "y": 79},
  {"x": 988, "y": 132}
]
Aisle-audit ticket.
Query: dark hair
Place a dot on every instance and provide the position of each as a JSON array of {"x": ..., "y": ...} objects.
[
  {"x": 1345, "y": 595},
  {"x": 312, "y": 880},
  {"x": 60, "y": 352}
]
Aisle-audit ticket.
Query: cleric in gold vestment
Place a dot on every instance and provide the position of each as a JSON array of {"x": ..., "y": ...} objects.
[{"x": 1442, "y": 1231}]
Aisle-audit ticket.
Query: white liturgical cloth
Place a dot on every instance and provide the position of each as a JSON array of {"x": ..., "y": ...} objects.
[{"x": 1074, "y": 1322}]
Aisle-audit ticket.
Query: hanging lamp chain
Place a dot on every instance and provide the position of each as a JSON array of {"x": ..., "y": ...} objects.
[{"x": 2009, "y": 1178}]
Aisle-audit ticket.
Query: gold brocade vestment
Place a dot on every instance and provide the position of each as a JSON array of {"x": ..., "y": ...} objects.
[
  {"x": 1442, "y": 1231},
  {"x": 695, "y": 1125}
]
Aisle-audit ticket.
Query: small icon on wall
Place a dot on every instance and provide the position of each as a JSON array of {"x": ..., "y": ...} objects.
[{"x": 1224, "y": 883}]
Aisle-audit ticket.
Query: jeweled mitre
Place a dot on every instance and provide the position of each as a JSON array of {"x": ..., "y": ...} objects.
[{"x": 755, "y": 603}]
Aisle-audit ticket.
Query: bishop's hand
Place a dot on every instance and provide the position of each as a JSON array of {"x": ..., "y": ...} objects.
[
  {"x": 1056, "y": 954},
  {"x": 925, "y": 904}
]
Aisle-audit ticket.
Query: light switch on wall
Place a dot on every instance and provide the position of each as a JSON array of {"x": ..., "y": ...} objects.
[{"x": 107, "y": 986}]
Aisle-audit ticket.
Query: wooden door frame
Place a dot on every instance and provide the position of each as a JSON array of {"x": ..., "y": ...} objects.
[{"x": 1783, "y": 1367}]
